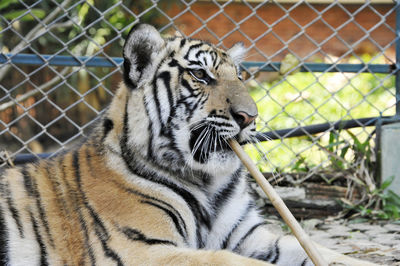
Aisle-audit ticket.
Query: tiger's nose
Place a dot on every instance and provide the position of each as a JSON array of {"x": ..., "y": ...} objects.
[{"x": 242, "y": 118}]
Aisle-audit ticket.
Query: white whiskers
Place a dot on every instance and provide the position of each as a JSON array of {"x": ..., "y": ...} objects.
[{"x": 261, "y": 150}]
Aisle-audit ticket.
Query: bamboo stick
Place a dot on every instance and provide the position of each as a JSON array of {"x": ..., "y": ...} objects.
[{"x": 279, "y": 205}]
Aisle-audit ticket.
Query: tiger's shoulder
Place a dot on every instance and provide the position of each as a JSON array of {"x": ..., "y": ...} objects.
[{"x": 56, "y": 207}]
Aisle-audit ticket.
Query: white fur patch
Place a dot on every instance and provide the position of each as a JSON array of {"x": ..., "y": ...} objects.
[
  {"x": 21, "y": 250},
  {"x": 237, "y": 52}
]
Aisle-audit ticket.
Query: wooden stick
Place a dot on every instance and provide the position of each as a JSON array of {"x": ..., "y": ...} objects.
[{"x": 279, "y": 205}]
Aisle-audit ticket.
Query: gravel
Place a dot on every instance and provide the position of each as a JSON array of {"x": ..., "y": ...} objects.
[{"x": 378, "y": 242}]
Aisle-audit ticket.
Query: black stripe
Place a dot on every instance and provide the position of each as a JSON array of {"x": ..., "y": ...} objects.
[
  {"x": 202, "y": 100},
  {"x": 196, "y": 96},
  {"x": 136, "y": 235},
  {"x": 88, "y": 247},
  {"x": 194, "y": 46},
  {"x": 13, "y": 210},
  {"x": 33, "y": 191},
  {"x": 28, "y": 183},
  {"x": 214, "y": 57},
  {"x": 198, "y": 211},
  {"x": 60, "y": 196},
  {"x": 213, "y": 114},
  {"x": 124, "y": 138},
  {"x": 304, "y": 262},
  {"x": 217, "y": 66},
  {"x": 127, "y": 68},
  {"x": 264, "y": 256},
  {"x": 183, "y": 41},
  {"x": 58, "y": 189},
  {"x": 142, "y": 171},
  {"x": 200, "y": 52},
  {"x": 271, "y": 256},
  {"x": 227, "y": 239},
  {"x": 175, "y": 213},
  {"x": 196, "y": 63},
  {"x": 43, "y": 252},
  {"x": 190, "y": 90},
  {"x": 170, "y": 214},
  {"x": 251, "y": 230},
  {"x": 3, "y": 239},
  {"x": 171, "y": 54},
  {"x": 224, "y": 195},
  {"x": 157, "y": 101},
  {"x": 221, "y": 124},
  {"x": 174, "y": 63},
  {"x": 99, "y": 227},
  {"x": 277, "y": 251},
  {"x": 166, "y": 78},
  {"x": 108, "y": 125},
  {"x": 166, "y": 127}
]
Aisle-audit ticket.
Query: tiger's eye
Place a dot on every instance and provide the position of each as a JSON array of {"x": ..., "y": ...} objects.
[{"x": 199, "y": 73}]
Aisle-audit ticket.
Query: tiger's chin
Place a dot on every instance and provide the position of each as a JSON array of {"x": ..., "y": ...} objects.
[
  {"x": 207, "y": 140},
  {"x": 207, "y": 143}
]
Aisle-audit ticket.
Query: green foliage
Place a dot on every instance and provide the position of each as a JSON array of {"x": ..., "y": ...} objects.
[
  {"x": 311, "y": 98},
  {"x": 349, "y": 153},
  {"x": 20, "y": 14},
  {"x": 381, "y": 204},
  {"x": 334, "y": 146},
  {"x": 95, "y": 23},
  {"x": 6, "y": 3},
  {"x": 376, "y": 202},
  {"x": 23, "y": 15}
]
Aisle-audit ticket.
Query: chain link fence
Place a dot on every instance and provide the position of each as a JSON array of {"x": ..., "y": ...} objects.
[{"x": 311, "y": 65}]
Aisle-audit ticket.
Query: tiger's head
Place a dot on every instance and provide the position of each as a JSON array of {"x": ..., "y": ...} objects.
[{"x": 185, "y": 99}]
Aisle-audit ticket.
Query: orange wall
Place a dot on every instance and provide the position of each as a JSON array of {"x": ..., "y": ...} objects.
[{"x": 273, "y": 45}]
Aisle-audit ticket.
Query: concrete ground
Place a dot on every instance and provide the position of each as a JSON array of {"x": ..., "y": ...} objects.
[{"x": 378, "y": 242}]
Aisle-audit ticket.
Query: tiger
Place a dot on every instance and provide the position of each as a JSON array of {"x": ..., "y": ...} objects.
[{"x": 156, "y": 182}]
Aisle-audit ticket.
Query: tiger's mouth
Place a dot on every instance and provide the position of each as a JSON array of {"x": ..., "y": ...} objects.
[{"x": 206, "y": 139}]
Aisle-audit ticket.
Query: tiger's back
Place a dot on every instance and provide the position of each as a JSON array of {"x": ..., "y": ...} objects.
[{"x": 55, "y": 216}]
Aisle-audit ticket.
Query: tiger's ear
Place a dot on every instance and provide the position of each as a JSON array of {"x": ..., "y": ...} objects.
[
  {"x": 141, "y": 48},
  {"x": 237, "y": 52}
]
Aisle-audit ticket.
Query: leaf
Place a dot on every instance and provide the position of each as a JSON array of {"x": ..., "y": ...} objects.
[
  {"x": 334, "y": 144},
  {"x": 392, "y": 211},
  {"x": 357, "y": 143},
  {"x": 358, "y": 220},
  {"x": 40, "y": 13},
  {"x": 387, "y": 182},
  {"x": 332, "y": 137},
  {"x": 6, "y": 3},
  {"x": 344, "y": 151},
  {"x": 298, "y": 163},
  {"x": 394, "y": 198},
  {"x": 84, "y": 9}
]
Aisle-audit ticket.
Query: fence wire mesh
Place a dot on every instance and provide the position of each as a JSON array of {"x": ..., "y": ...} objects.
[{"x": 45, "y": 107}]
